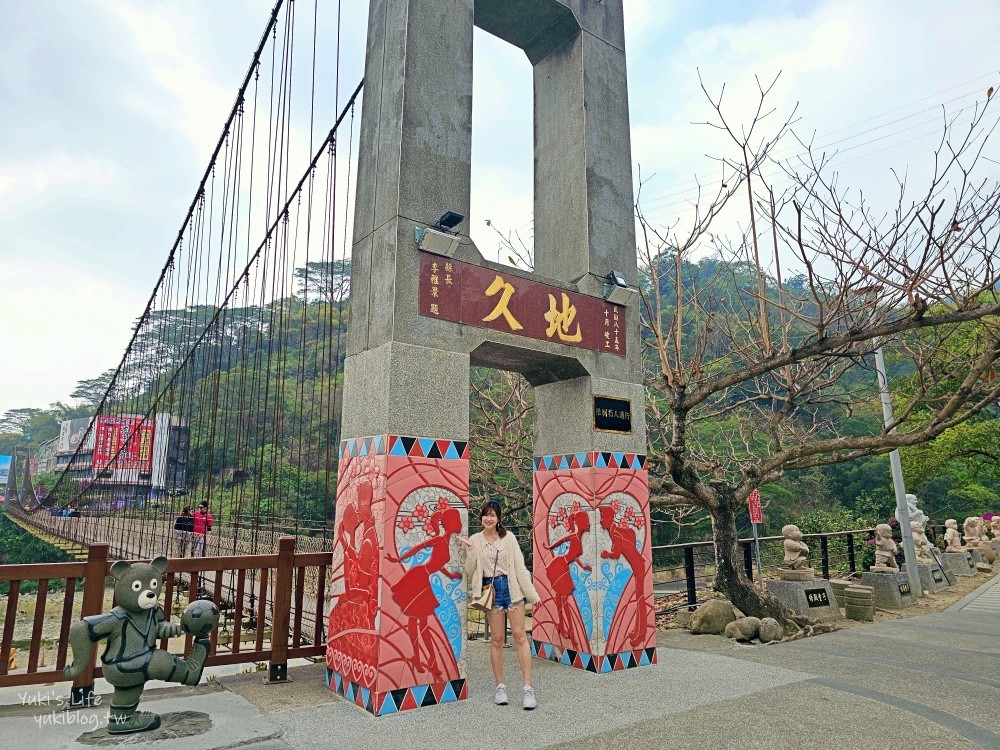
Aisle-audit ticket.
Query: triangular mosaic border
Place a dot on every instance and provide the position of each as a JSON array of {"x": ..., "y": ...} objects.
[
  {"x": 403, "y": 699},
  {"x": 597, "y": 459},
  {"x": 401, "y": 445},
  {"x": 640, "y": 657}
]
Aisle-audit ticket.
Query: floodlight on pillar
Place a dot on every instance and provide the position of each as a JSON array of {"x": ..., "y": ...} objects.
[
  {"x": 616, "y": 290},
  {"x": 449, "y": 220},
  {"x": 440, "y": 240}
]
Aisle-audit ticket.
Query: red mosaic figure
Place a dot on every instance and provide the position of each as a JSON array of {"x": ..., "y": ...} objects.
[
  {"x": 623, "y": 544},
  {"x": 413, "y": 592},
  {"x": 352, "y": 619},
  {"x": 558, "y": 571}
]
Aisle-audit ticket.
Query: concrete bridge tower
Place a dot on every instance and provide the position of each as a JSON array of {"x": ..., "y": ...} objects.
[{"x": 425, "y": 306}]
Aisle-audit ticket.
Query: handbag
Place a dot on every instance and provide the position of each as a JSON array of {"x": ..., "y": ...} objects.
[{"x": 484, "y": 602}]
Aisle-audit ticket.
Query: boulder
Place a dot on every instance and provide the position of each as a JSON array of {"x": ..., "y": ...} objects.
[
  {"x": 732, "y": 631},
  {"x": 712, "y": 617},
  {"x": 770, "y": 630},
  {"x": 683, "y": 618},
  {"x": 749, "y": 628}
]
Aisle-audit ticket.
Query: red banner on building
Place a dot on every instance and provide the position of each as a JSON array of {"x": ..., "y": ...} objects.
[
  {"x": 124, "y": 443},
  {"x": 756, "y": 514},
  {"x": 484, "y": 298}
]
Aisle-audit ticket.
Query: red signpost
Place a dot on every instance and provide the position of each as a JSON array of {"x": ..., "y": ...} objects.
[
  {"x": 756, "y": 514},
  {"x": 756, "y": 517}
]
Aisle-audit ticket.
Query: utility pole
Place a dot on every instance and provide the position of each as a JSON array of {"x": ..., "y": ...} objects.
[{"x": 902, "y": 511}]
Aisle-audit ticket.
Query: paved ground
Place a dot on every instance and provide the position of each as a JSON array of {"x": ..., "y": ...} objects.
[{"x": 927, "y": 682}]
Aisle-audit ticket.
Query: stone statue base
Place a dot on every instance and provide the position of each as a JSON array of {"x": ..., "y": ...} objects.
[
  {"x": 995, "y": 546},
  {"x": 892, "y": 589},
  {"x": 812, "y": 598},
  {"x": 959, "y": 563},
  {"x": 932, "y": 578},
  {"x": 977, "y": 554},
  {"x": 883, "y": 569},
  {"x": 803, "y": 574}
]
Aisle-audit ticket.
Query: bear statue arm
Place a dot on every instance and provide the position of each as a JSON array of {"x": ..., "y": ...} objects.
[
  {"x": 164, "y": 628},
  {"x": 85, "y": 632}
]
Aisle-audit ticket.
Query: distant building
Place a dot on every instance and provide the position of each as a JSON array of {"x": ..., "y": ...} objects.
[
  {"x": 45, "y": 457},
  {"x": 128, "y": 458}
]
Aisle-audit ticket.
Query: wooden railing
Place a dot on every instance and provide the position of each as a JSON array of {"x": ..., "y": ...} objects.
[{"x": 272, "y": 603}]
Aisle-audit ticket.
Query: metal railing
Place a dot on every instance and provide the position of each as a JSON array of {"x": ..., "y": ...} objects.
[{"x": 688, "y": 568}]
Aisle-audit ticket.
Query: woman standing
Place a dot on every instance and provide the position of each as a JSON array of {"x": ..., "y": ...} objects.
[
  {"x": 183, "y": 527},
  {"x": 495, "y": 557},
  {"x": 201, "y": 529}
]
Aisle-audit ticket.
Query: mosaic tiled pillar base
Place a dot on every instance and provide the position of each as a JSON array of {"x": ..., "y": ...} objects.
[
  {"x": 396, "y": 626},
  {"x": 593, "y": 561}
]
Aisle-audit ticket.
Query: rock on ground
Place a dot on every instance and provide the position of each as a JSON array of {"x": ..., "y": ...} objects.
[
  {"x": 748, "y": 628},
  {"x": 712, "y": 617},
  {"x": 770, "y": 630}
]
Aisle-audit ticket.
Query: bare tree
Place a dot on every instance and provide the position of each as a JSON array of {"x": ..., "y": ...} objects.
[
  {"x": 502, "y": 407},
  {"x": 754, "y": 373}
]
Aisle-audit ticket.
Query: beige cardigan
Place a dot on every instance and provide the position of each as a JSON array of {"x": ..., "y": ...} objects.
[{"x": 518, "y": 577}]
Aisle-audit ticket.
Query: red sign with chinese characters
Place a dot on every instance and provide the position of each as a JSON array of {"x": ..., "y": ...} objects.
[
  {"x": 476, "y": 296},
  {"x": 756, "y": 514},
  {"x": 124, "y": 443}
]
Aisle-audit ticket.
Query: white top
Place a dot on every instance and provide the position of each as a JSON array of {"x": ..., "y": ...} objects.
[
  {"x": 489, "y": 557},
  {"x": 518, "y": 577}
]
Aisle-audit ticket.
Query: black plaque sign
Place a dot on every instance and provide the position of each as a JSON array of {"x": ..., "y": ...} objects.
[
  {"x": 936, "y": 575},
  {"x": 904, "y": 589},
  {"x": 612, "y": 414},
  {"x": 817, "y": 598}
]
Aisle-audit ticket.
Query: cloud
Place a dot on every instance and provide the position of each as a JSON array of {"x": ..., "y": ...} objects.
[
  {"x": 862, "y": 74},
  {"x": 70, "y": 324},
  {"x": 25, "y": 179},
  {"x": 174, "y": 87}
]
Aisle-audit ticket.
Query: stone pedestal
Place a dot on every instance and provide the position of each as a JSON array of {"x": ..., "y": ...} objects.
[
  {"x": 892, "y": 590},
  {"x": 813, "y": 598},
  {"x": 932, "y": 578},
  {"x": 839, "y": 587},
  {"x": 593, "y": 561},
  {"x": 397, "y": 622},
  {"x": 995, "y": 546},
  {"x": 959, "y": 563},
  {"x": 859, "y": 602},
  {"x": 977, "y": 555},
  {"x": 805, "y": 574}
]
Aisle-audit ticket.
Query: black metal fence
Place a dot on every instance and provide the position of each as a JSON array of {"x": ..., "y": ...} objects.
[{"x": 690, "y": 567}]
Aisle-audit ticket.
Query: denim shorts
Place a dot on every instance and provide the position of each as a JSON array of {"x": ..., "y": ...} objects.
[{"x": 501, "y": 593}]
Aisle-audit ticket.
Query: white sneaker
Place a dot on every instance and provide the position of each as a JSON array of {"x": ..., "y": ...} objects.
[
  {"x": 501, "y": 696},
  {"x": 529, "y": 698}
]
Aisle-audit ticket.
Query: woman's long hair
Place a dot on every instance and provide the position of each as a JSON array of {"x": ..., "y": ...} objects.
[{"x": 494, "y": 506}]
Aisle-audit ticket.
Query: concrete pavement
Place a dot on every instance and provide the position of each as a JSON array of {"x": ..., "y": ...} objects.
[{"x": 930, "y": 681}]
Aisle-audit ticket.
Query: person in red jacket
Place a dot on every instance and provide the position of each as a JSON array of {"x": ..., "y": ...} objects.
[{"x": 202, "y": 528}]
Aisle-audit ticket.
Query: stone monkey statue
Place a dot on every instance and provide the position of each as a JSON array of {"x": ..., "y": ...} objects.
[
  {"x": 952, "y": 538},
  {"x": 796, "y": 551},
  {"x": 885, "y": 548}
]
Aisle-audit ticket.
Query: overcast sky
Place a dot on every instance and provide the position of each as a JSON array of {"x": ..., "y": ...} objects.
[{"x": 112, "y": 107}]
